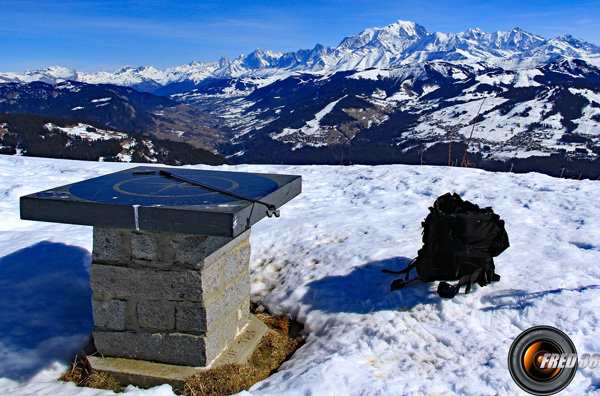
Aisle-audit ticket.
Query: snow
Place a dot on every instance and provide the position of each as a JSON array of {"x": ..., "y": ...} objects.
[
  {"x": 379, "y": 94},
  {"x": 321, "y": 262},
  {"x": 504, "y": 78},
  {"x": 311, "y": 128},
  {"x": 69, "y": 86},
  {"x": 429, "y": 88},
  {"x": 124, "y": 157},
  {"x": 587, "y": 126},
  {"x": 372, "y": 74},
  {"x": 591, "y": 95},
  {"x": 402, "y": 95},
  {"x": 100, "y": 100},
  {"x": 525, "y": 78},
  {"x": 87, "y": 132},
  {"x": 508, "y": 131}
]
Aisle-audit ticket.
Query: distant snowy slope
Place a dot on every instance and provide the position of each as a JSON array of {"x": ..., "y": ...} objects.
[{"x": 321, "y": 262}]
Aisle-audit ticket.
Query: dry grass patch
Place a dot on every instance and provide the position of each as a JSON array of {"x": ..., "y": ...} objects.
[
  {"x": 276, "y": 346},
  {"x": 81, "y": 375}
]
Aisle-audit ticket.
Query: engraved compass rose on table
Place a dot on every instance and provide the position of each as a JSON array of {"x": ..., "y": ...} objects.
[
  {"x": 147, "y": 188},
  {"x": 150, "y": 186}
]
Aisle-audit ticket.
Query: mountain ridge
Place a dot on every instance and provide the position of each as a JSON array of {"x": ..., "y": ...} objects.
[{"x": 397, "y": 44}]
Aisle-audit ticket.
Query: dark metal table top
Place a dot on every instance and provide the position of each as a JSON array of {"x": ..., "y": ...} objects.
[{"x": 143, "y": 198}]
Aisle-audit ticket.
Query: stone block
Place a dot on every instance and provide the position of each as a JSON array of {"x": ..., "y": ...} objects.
[
  {"x": 107, "y": 244},
  {"x": 109, "y": 314},
  {"x": 244, "y": 260},
  {"x": 190, "y": 319},
  {"x": 243, "y": 313},
  {"x": 166, "y": 254},
  {"x": 229, "y": 327},
  {"x": 157, "y": 315},
  {"x": 144, "y": 246},
  {"x": 189, "y": 249},
  {"x": 171, "y": 348},
  {"x": 219, "y": 248},
  {"x": 214, "y": 345},
  {"x": 212, "y": 279},
  {"x": 230, "y": 266},
  {"x": 197, "y": 251},
  {"x": 146, "y": 283},
  {"x": 198, "y": 318},
  {"x": 236, "y": 293}
]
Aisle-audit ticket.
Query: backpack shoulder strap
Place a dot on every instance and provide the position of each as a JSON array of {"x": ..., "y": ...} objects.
[{"x": 411, "y": 265}]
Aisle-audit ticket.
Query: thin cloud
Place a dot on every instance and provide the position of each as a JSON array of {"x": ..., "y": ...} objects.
[{"x": 144, "y": 27}]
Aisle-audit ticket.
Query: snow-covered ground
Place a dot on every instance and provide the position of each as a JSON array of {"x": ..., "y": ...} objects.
[
  {"x": 321, "y": 262},
  {"x": 88, "y": 132}
]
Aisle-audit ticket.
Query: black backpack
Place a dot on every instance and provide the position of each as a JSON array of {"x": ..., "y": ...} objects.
[{"x": 459, "y": 243}]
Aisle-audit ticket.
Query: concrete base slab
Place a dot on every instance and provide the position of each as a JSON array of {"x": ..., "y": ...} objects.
[
  {"x": 145, "y": 374},
  {"x": 141, "y": 373},
  {"x": 243, "y": 346}
]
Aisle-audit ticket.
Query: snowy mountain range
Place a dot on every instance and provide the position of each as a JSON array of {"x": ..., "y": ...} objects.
[
  {"x": 401, "y": 43},
  {"x": 399, "y": 94}
]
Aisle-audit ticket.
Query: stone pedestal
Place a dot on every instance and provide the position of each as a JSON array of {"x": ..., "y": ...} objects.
[
  {"x": 170, "y": 263},
  {"x": 166, "y": 297}
]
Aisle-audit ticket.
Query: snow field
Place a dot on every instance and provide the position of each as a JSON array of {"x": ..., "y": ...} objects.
[
  {"x": 81, "y": 130},
  {"x": 321, "y": 262},
  {"x": 311, "y": 128}
]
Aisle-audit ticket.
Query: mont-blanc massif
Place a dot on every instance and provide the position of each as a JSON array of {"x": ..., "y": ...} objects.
[{"x": 399, "y": 94}]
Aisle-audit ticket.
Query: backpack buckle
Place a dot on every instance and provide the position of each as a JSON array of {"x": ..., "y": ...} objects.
[
  {"x": 446, "y": 290},
  {"x": 397, "y": 284}
]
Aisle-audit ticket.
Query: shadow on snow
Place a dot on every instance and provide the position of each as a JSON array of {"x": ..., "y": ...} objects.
[
  {"x": 366, "y": 289},
  {"x": 521, "y": 299},
  {"x": 45, "y": 301}
]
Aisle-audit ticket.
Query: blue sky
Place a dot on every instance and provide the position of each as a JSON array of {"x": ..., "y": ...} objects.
[{"x": 94, "y": 35}]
